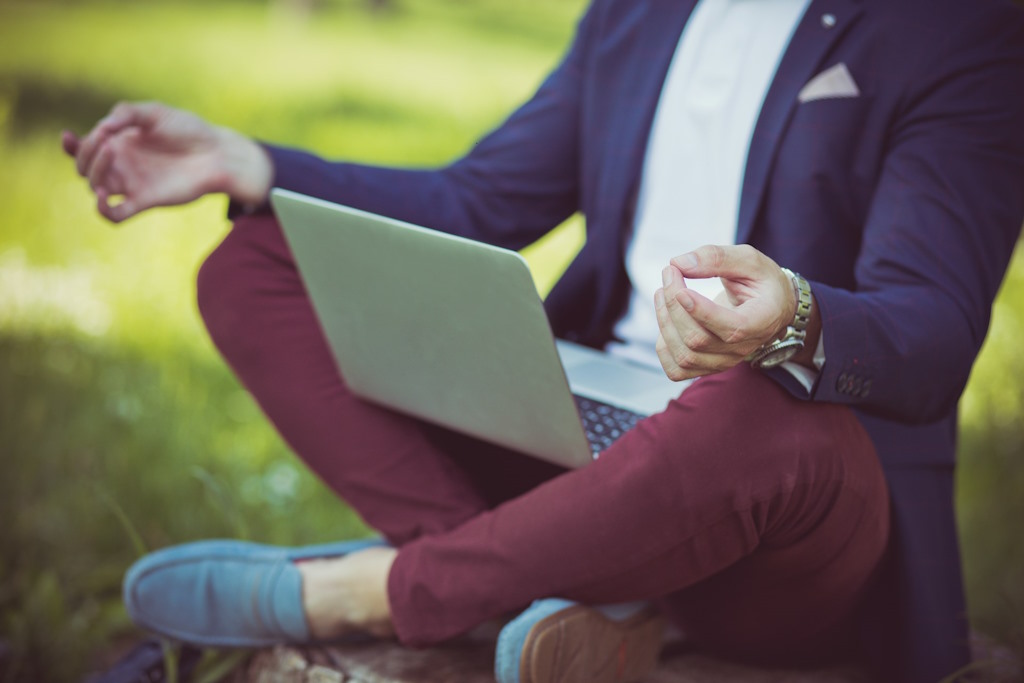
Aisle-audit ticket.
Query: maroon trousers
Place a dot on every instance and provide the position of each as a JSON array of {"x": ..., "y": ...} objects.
[{"x": 757, "y": 520}]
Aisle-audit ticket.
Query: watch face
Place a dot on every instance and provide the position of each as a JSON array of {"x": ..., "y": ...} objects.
[{"x": 780, "y": 355}]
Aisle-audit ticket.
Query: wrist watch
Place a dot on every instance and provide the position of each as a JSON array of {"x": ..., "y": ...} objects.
[{"x": 777, "y": 352}]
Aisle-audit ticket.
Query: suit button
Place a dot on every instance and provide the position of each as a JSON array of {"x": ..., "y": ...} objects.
[
  {"x": 856, "y": 385},
  {"x": 865, "y": 389},
  {"x": 841, "y": 383}
]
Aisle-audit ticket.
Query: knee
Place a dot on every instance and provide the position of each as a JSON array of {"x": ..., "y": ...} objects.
[
  {"x": 225, "y": 285},
  {"x": 744, "y": 427},
  {"x": 218, "y": 293}
]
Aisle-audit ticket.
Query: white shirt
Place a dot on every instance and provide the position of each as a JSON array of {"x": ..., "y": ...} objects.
[{"x": 697, "y": 151}]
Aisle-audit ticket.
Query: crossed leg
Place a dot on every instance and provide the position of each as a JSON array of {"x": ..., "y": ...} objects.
[{"x": 758, "y": 520}]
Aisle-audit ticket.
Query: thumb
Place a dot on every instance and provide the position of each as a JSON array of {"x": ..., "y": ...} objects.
[
  {"x": 730, "y": 261},
  {"x": 131, "y": 114}
]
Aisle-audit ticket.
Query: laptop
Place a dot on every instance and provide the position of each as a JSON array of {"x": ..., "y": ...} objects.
[{"x": 453, "y": 331}]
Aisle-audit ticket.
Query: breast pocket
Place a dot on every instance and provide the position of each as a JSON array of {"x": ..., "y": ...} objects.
[{"x": 832, "y": 147}]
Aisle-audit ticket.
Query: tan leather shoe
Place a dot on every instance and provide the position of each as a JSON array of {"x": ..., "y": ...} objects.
[{"x": 558, "y": 641}]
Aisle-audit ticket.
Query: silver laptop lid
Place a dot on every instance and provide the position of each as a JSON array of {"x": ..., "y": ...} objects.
[{"x": 437, "y": 326}]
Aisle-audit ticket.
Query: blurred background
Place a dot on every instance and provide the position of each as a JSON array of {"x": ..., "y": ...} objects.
[{"x": 121, "y": 430}]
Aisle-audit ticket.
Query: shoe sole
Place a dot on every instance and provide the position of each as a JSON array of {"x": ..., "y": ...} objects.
[{"x": 581, "y": 645}]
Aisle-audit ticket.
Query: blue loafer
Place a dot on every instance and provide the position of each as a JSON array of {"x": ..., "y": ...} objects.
[
  {"x": 224, "y": 593},
  {"x": 559, "y": 641}
]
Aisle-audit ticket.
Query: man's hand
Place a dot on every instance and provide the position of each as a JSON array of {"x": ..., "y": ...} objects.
[
  {"x": 701, "y": 337},
  {"x": 152, "y": 155}
]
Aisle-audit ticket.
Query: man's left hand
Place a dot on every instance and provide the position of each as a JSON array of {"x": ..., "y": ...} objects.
[{"x": 699, "y": 336}]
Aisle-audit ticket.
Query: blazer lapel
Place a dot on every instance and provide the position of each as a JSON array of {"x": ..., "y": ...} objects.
[{"x": 823, "y": 24}]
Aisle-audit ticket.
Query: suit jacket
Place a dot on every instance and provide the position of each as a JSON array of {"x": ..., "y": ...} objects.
[{"x": 901, "y": 206}]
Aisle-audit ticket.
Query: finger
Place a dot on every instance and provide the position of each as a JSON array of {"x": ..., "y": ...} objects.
[
  {"x": 675, "y": 285},
  {"x": 103, "y": 202},
  {"x": 666, "y": 325},
  {"x": 679, "y": 359},
  {"x": 696, "y": 335},
  {"x": 698, "y": 365},
  {"x": 732, "y": 261},
  {"x": 668, "y": 361},
  {"x": 122, "y": 116},
  {"x": 69, "y": 143},
  {"x": 103, "y": 205},
  {"x": 727, "y": 325},
  {"x": 87, "y": 148},
  {"x": 100, "y": 167},
  {"x": 679, "y": 301},
  {"x": 673, "y": 370},
  {"x": 702, "y": 326},
  {"x": 754, "y": 283},
  {"x": 104, "y": 170},
  {"x": 115, "y": 213},
  {"x": 123, "y": 211}
]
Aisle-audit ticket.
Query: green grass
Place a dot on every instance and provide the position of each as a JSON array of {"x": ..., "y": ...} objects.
[
  {"x": 111, "y": 396},
  {"x": 109, "y": 388}
]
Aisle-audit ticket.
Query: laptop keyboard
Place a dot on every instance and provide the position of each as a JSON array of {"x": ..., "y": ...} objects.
[{"x": 604, "y": 423}]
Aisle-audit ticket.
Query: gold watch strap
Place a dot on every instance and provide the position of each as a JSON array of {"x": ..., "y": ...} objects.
[{"x": 803, "y": 300}]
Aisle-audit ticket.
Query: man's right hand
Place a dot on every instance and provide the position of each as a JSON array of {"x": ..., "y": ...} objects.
[{"x": 152, "y": 155}]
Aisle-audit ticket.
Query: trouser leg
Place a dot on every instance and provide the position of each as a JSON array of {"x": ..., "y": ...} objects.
[
  {"x": 760, "y": 517},
  {"x": 736, "y": 496},
  {"x": 401, "y": 475}
]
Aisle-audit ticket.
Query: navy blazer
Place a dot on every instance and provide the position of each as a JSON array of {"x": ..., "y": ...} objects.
[{"x": 901, "y": 206}]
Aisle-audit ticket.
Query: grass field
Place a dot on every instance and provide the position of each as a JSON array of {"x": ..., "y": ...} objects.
[{"x": 113, "y": 404}]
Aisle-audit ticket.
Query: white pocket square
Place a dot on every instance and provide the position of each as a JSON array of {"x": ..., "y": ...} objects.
[{"x": 831, "y": 83}]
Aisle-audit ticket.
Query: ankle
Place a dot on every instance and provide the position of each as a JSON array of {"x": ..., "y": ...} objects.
[{"x": 346, "y": 594}]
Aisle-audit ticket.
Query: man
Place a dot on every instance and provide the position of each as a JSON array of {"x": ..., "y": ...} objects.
[{"x": 874, "y": 148}]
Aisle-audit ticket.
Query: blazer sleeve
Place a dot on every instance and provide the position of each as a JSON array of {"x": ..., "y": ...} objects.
[
  {"x": 513, "y": 186},
  {"x": 939, "y": 234}
]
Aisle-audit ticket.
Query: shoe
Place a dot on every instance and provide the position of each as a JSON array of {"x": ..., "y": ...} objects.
[
  {"x": 559, "y": 641},
  {"x": 225, "y": 593}
]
